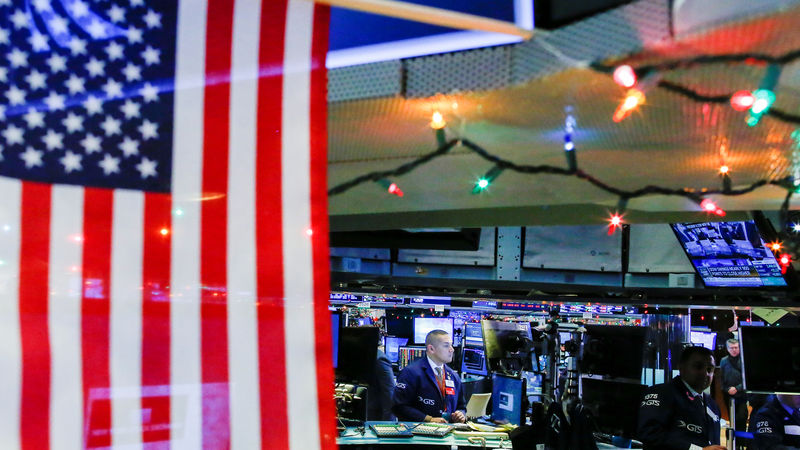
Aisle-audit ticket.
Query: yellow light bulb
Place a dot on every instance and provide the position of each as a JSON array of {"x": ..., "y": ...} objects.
[{"x": 437, "y": 121}]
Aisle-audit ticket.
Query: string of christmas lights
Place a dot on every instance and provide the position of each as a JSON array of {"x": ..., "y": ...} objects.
[{"x": 638, "y": 80}]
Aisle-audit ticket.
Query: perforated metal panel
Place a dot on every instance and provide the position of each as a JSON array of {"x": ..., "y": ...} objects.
[
  {"x": 381, "y": 79},
  {"x": 482, "y": 69}
]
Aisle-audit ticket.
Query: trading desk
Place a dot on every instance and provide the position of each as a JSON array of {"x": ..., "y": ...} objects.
[{"x": 353, "y": 437}]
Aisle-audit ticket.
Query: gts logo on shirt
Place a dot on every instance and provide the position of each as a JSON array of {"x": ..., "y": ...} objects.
[
  {"x": 427, "y": 401},
  {"x": 690, "y": 426}
]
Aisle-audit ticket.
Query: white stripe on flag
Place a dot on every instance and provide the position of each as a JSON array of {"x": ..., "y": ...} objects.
[
  {"x": 125, "y": 324},
  {"x": 186, "y": 393},
  {"x": 11, "y": 348},
  {"x": 242, "y": 330},
  {"x": 64, "y": 321},
  {"x": 301, "y": 381}
]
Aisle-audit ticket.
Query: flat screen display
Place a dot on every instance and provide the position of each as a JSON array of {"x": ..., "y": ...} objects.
[
  {"x": 729, "y": 254},
  {"x": 424, "y": 325},
  {"x": 335, "y": 317},
  {"x": 473, "y": 335},
  {"x": 391, "y": 346},
  {"x": 770, "y": 359},
  {"x": 507, "y": 393},
  {"x": 705, "y": 338}
]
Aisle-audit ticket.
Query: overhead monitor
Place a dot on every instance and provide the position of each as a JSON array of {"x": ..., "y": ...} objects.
[
  {"x": 507, "y": 399},
  {"x": 424, "y": 325},
  {"x": 730, "y": 254},
  {"x": 770, "y": 359}
]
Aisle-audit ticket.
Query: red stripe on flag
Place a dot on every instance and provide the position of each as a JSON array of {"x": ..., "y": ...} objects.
[
  {"x": 95, "y": 315},
  {"x": 33, "y": 292},
  {"x": 156, "y": 321},
  {"x": 319, "y": 225},
  {"x": 213, "y": 224},
  {"x": 269, "y": 248}
]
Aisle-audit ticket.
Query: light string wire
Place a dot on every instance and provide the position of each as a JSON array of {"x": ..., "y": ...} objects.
[{"x": 792, "y": 242}]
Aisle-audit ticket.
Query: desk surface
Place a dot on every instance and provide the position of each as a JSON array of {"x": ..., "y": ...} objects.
[{"x": 353, "y": 436}]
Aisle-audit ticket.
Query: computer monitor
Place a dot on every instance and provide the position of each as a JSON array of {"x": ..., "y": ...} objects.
[
  {"x": 391, "y": 346},
  {"x": 770, "y": 359},
  {"x": 400, "y": 327},
  {"x": 364, "y": 321},
  {"x": 508, "y": 345},
  {"x": 358, "y": 351},
  {"x": 614, "y": 404},
  {"x": 335, "y": 321},
  {"x": 613, "y": 351},
  {"x": 501, "y": 338},
  {"x": 424, "y": 325},
  {"x": 473, "y": 334},
  {"x": 707, "y": 339},
  {"x": 406, "y": 355},
  {"x": 507, "y": 399},
  {"x": 730, "y": 254},
  {"x": 473, "y": 361}
]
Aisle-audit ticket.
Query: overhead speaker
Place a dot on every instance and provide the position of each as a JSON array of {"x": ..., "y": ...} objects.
[{"x": 551, "y": 14}]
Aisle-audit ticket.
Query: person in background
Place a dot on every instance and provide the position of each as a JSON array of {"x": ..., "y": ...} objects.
[
  {"x": 677, "y": 414},
  {"x": 427, "y": 390},
  {"x": 731, "y": 369},
  {"x": 381, "y": 389},
  {"x": 776, "y": 426}
]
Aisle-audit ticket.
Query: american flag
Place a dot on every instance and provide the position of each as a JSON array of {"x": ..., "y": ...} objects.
[{"x": 163, "y": 225}]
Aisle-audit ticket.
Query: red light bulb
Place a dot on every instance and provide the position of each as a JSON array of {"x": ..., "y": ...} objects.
[
  {"x": 742, "y": 100},
  {"x": 394, "y": 189}
]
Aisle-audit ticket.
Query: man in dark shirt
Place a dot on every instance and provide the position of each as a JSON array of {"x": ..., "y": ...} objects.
[
  {"x": 776, "y": 426},
  {"x": 677, "y": 415},
  {"x": 427, "y": 390},
  {"x": 731, "y": 369}
]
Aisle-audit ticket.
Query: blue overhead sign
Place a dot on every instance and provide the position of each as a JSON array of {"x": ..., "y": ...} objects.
[{"x": 360, "y": 38}]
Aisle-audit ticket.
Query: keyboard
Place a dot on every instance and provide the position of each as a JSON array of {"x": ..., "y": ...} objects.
[
  {"x": 391, "y": 430},
  {"x": 432, "y": 429}
]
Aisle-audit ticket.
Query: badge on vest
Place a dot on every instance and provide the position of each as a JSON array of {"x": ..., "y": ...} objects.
[
  {"x": 449, "y": 383},
  {"x": 449, "y": 391},
  {"x": 711, "y": 414}
]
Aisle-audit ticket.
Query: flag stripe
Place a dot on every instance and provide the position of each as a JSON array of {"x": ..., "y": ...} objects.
[
  {"x": 66, "y": 247},
  {"x": 126, "y": 318},
  {"x": 11, "y": 350},
  {"x": 214, "y": 216},
  {"x": 269, "y": 248},
  {"x": 156, "y": 301},
  {"x": 95, "y": 310},
  {"x": 319, "y": 225},
  {"x": 186, "y": 401},
  {"x": 33, "y": 283},
  {"x": 301, "y": 379},
  {"x": 242, "y": 329}
]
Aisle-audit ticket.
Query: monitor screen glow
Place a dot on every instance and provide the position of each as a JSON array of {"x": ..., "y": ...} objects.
[
  {"x": 424, "y": 325},
  {"x": 729, "y": 254}
]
